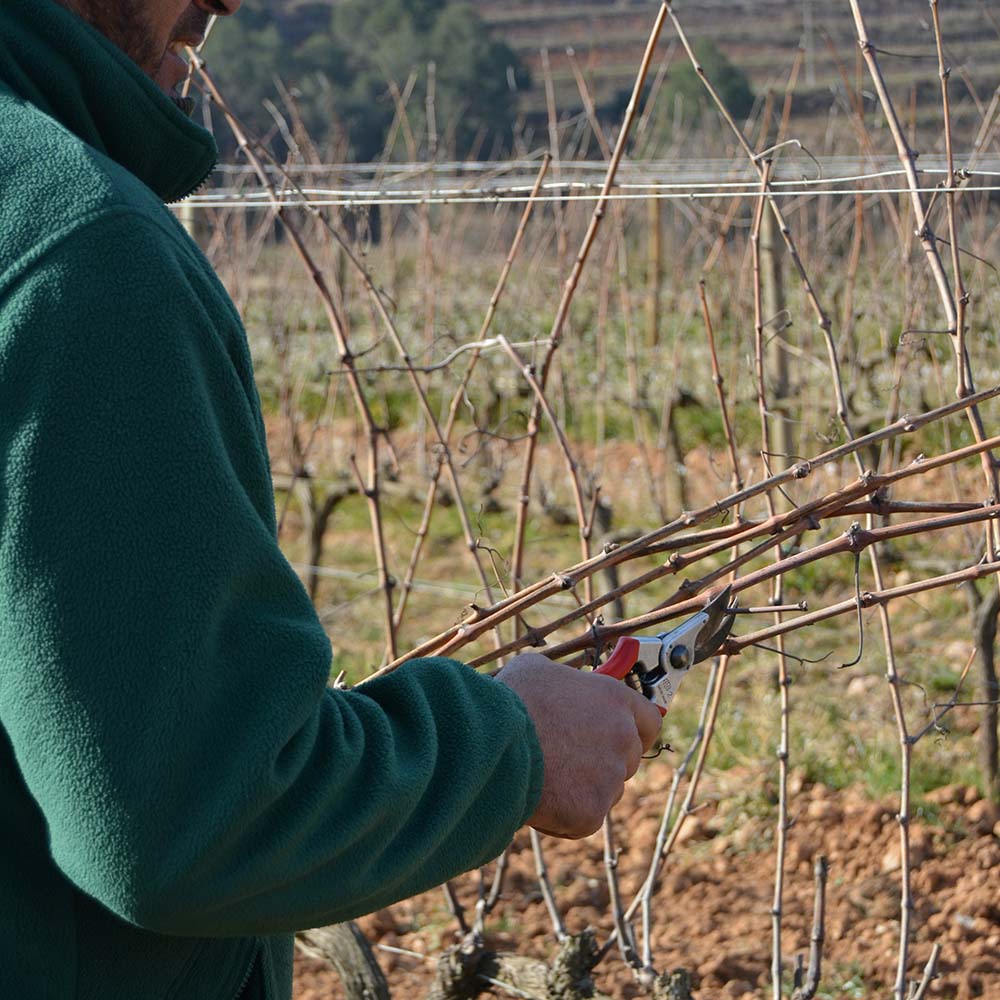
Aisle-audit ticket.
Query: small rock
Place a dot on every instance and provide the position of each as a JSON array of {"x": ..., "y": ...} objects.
[
  {"x": 956, "y": 933},
  {"x": 744, "y": 835},
  {"x": 688, "y": 877},
  {"x": 721, "y": 845},
  {"x": 644, "y": 831},
  {"x": 988, "y": 856},
  {"x": 976, "y": 948},
  {"x": 796, "y": 781},
  {"x": 376, "y": 925},
  {"x": 738, "y": 988},
  {"x": 389, "y": 960},
  {"x": 985, "y": 963},
  {"x": 854, "y": 801},
  {"x": 921, "y": 845},
  {"x": 891, "y": 861},
  {"x": 588, "y": 892},
  {"x": 921, "y": 848},
  {"x": 692, "y": 829},
  {"x": 969, "y": 987},
  {"x": 714, "y": 820},
  {"x": 725, "y": 969},
  {"x": 801, "y": 849},
  {"x": 877, "y": 897},
  {"x": 982, "y": 816},
  {"x": 825, "y": 810},
  {"x": 945, "y": 795},
  {"x": 935, "y": 879},
  {"x": 861, "y": 686},
  {"x": 969, "y": 795}
]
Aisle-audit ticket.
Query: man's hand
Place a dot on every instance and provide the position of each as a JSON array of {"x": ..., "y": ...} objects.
[{"x": 593, "y": 730}]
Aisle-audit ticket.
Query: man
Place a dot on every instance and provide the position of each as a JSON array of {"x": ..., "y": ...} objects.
[{"x": 179, "y": 790}]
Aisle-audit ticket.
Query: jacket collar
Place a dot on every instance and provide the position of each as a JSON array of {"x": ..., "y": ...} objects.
[{"x": 56, "y": 61}]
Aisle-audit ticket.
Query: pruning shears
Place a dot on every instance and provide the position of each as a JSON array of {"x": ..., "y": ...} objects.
[{"x": 656, "y": 665}]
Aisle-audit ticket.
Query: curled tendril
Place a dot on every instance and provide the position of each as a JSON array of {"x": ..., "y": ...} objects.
[
  {"x": 861, "y": 624},
  {"x": 658, "y": 748},
  {"x": 791, "y": 656}
]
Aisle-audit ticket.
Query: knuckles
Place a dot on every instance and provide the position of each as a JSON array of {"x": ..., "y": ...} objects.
[{"x": 592, "y": 729}]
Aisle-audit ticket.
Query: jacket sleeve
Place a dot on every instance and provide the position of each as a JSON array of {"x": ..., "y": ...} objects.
[{"x": 162, "y": 671}]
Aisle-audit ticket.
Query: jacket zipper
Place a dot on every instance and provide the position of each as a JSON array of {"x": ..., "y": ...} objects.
[
  {"x": 196, "y": 188},
  {"x": 247, "y": 974}
]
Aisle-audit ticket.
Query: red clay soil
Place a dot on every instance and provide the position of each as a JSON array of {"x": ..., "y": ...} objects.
[{"x": 716, "y": 894}]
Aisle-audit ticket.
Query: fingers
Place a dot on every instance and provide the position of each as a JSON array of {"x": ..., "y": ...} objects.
[
  {"x": 645, "y": 714},
  {"x": 648, "y": 722},
  {"x": 633, "y": 758},
  {"x": 593, "y": 731}
]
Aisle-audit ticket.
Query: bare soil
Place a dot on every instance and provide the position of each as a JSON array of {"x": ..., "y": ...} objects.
[{"x": 716, "y": 894}]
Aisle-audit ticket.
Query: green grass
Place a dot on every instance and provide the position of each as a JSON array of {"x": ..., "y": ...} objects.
[{"x": 846, "y": 982}]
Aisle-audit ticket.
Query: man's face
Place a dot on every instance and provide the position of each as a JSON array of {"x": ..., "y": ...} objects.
[{"x": 153, "y": 33}]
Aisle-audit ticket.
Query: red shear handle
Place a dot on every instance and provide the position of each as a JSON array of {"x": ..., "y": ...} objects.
[{"x": 622, "y": 660}]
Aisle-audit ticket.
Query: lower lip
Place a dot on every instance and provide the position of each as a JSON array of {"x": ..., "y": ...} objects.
[{"x": 175, "y": 68}]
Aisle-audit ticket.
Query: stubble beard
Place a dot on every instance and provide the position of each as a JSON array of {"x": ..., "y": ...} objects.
[{"x": 124, "y": 24}]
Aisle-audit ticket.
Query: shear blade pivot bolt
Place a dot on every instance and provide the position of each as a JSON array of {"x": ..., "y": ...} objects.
[{"x": 680, "y": 658}]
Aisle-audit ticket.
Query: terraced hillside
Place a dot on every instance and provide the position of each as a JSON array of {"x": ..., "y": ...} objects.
[{"x": 762, "y": 36}]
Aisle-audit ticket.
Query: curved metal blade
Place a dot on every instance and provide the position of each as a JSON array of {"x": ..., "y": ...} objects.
[{"x": 717, "y": 626}]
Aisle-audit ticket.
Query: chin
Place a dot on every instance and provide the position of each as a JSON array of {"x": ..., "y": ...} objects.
[
  {"x": 170, "y": 83},
  {"x": 169, "y": 74}
]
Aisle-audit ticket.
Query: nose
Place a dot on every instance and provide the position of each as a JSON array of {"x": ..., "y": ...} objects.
[{"x": 221, "y": 8}]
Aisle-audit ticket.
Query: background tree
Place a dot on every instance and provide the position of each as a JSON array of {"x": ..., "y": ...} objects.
[
  {"x": 683, "y": 102},
  {"x": 342, "y": 64},
  {"x": 248, "y": 52}
]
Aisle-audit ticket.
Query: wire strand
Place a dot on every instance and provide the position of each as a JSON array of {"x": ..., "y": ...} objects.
[
  {"x": 700, "y": 179},
  {"x": 261, "y": 200}
]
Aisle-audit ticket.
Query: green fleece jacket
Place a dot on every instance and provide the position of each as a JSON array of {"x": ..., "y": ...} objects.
[{"x": 179, "y": 789}]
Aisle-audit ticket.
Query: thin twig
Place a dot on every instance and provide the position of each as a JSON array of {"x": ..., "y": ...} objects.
[{"x": 808, "y": 989}]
